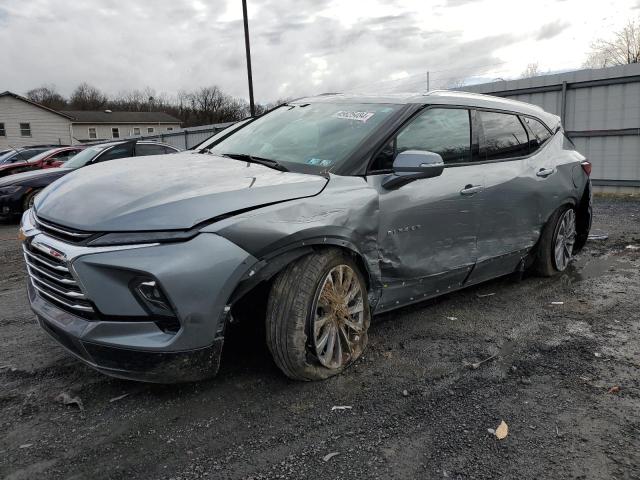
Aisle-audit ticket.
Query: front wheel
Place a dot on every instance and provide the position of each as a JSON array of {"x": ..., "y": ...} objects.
[
  {"x": 557, "y": 242},
  {"x": 318, "y": 316},
  {"x": 27, "y": 203}
]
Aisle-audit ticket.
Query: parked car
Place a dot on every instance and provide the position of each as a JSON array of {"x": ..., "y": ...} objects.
[
  {"x": 17, "y": 155},
  {"x": 18, "y": 191},
  {"x": 51, "y": 158},
  {"x": 311, "y": 218}
]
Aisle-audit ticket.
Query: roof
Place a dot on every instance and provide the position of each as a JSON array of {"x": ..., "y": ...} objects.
[
  {"x": 101, "y": 116},
  {"x": 25, "y": 99},
  {"x": 441, "y": 97}
]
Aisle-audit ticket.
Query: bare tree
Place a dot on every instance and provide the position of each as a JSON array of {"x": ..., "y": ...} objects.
[
  {"x": 47, "y": 96},
  {"x": 87, "y": 97},
  {"x": 532, "y": 70},
  {"x": 621, "y": 49}
]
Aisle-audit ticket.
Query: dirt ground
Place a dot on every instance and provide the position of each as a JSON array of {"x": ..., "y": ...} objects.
[{"x": 416, "y": 406}]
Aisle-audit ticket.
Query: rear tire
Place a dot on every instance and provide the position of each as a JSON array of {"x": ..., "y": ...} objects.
[
  {"x": 555, "y": 248},
  {"x": 318, "y": 316}
]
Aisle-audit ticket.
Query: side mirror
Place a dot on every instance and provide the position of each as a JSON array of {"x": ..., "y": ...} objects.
[{"x": 412, "y": 165}]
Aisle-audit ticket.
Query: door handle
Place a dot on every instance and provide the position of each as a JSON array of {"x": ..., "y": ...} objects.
[
  {"x": 471, "y": 189},
  {"x": 545, "y": 172}
]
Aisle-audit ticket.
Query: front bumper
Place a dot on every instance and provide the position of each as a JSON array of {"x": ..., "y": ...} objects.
[
  {"x": 130, "y": 364},
  {"x": 122, "y": 339}
]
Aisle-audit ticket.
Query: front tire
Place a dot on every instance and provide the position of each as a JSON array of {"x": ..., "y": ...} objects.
[
  {"x": 318, "y": 316},
  {"x": 27, "y": 203},
  {"x": 557, "y": 243}
]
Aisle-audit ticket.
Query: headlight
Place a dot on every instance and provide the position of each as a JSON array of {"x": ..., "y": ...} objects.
[{"x": 10, "y": 189}]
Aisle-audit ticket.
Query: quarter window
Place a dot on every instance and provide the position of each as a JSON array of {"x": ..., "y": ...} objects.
[
  {"x": 504, "y": 136},
  {"x": 3, "y": 132},
  {"x": 93, "y": 133},
  {"x": 25, "y": 129},
  {"x": 541, "y": 133},
  {"x": 115, "y": 132}
]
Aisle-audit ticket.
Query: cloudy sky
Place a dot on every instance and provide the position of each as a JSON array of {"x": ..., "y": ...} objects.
[{"x": 299, "y": 47}]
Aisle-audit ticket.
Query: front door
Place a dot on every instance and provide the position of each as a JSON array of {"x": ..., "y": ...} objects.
[{"x": 427, "y": 228}]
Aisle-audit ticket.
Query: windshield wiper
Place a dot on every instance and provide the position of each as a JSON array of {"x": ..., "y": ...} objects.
[{"x": 267, "y": 162}]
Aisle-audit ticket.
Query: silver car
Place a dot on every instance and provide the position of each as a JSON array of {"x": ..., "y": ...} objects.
[{"x": 312, "y": 218}]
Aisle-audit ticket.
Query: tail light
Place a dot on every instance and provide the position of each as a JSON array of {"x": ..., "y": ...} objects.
[{"x": 586, "y": 166}]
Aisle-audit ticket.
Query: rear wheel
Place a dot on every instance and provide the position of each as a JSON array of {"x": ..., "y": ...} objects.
[
  {"x": 318, "y": 316},
  {"x": 556, "y": 246}
]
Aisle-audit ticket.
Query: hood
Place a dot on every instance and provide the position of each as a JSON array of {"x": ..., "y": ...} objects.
[
  {"x": 34, "y": 175},
  {"x": 166, "y": 192}
]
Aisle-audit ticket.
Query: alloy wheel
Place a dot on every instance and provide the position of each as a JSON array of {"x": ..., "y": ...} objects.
[
  {"x": 565, "y": 239},
  {"x": 338, "y": 323}
]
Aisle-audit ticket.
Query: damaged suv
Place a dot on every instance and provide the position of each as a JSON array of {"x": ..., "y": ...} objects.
[{"x": 311, "y": 218}]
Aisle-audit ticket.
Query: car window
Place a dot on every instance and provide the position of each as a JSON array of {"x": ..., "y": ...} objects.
[
  {"x": 504, "y": 136},
  {"x": 445, "y": 131},
  {"x": 169, "y": 150},
  {"x": 119, "y": 151},
  {"x": 143, "y": 149},
  {"x": 310, "y": 137},
  {"x": 64, "y": 155},
  {"x": 541, "y": 132}
]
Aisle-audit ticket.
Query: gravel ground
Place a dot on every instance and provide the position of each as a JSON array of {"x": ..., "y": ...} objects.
[{"x": 417, "y": 407}]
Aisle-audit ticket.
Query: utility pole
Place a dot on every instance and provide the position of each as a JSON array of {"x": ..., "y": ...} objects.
[
  {"x": 428, "y": 83},
  {"x": 252, "y": 107}
]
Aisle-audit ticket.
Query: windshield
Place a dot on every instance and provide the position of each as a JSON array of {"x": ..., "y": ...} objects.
[
  {"x": 85, "y": 156},
  {"x": 42, "y": 155},
  {"x": 315, "y": 135},
  {"x": 13, "y": 156}
]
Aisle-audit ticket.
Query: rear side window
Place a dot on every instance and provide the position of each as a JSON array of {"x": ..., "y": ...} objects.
[
  {"x": 446, "y": 131},
  {"x": 541, "y": 132},
  {"x": 504, "y": 136}
]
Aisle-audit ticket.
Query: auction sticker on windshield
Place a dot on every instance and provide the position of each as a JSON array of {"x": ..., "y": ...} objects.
[{"x": 359, "y": 116}]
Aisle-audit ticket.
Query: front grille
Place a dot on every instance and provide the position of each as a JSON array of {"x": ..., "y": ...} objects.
[
  {"x": 62, "y": 233},
  {"x": 51, "y": 277}
]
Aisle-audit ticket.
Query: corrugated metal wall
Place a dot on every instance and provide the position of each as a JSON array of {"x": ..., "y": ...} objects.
[
  {"x": 188, "y": 137},
  {"x": 600, "y": 110}
]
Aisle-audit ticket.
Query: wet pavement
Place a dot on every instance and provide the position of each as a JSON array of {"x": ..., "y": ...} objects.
[{"x": 558, "y": 360}]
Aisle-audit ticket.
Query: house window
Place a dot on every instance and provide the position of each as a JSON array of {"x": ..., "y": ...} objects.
[
  {"x": 115, "y": 132},
  {"x": 25, "y": 129},
  {"x": 3, "y": 132},
  {"x": 93, "y": 133},
  {"x": 136, "y": 130},
  {"x": 169, "y": 129},
  {"x": 150, "y": 130}
]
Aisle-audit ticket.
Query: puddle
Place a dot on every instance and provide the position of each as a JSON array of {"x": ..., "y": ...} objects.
[{"x": 591, "y": 267}]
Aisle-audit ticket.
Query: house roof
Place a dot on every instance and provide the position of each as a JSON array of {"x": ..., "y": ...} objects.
[
  {"x": 101, "y": 116},
  {"x": 25, "y": 99}
]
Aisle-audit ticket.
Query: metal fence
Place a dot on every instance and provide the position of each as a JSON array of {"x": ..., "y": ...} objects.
[
  {"x": 600, "y": 110},
  {"x": 186, "y": 138}
]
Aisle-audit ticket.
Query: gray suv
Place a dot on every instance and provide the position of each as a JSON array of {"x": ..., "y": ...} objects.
[{"x": 311, "y": 218}]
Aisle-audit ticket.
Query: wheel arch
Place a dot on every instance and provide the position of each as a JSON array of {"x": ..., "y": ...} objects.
[{"x": 254, "y": 286}]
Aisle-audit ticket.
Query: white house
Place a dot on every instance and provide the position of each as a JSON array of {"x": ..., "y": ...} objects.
[{"x": 23, "y": 122}]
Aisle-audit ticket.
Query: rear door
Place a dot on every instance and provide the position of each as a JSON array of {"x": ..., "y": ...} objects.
[
  {"x": 427, "y": 230},
  {"x": 508, "y": 219}
]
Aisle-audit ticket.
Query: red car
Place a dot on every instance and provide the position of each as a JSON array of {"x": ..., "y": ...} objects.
[{"x": 53, "y": 157}]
